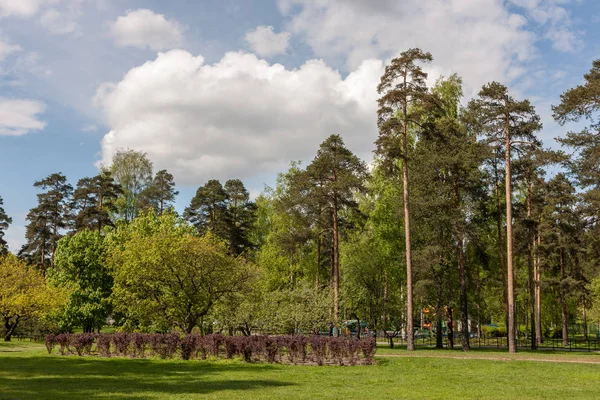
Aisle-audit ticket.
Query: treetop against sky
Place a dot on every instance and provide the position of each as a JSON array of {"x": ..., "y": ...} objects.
[{"x": 224, "y": 89}]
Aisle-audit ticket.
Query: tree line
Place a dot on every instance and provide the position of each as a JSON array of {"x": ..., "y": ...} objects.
[{"x": 462, "y": 215}]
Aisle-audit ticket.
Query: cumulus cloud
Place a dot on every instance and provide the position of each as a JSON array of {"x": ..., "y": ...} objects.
[
  {"x": 144, "y": 28},
  {"x": 18, "y": 117},
  {"x": 239, "y": 117},
  {"x": 57, "y": 16},
  {"x": 265, "y": 42},
  {"x": 479, "y": 39}
]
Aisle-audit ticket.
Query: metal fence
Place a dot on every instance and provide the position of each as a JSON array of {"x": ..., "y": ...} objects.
[{"x": 574, "y": 344}]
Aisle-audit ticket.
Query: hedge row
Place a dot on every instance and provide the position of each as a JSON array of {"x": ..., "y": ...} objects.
[{"x": 296, "y": 349}]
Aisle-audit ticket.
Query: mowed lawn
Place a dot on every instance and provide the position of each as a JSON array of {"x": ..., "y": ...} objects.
[{"x": 27, "y": 372}]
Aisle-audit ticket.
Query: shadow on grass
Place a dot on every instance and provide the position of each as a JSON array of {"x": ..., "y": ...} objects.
[{"x": 78, "y": 378}]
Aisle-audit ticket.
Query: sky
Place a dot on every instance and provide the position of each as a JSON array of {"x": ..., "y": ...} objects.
[{"x": 238, "y": 89}]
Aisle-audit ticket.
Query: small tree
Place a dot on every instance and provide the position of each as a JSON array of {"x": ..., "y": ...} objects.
[
  {"x": 23, "y": 293},
  {"x": 81, "y": 268},
  {"x": 165, "y": 275}
]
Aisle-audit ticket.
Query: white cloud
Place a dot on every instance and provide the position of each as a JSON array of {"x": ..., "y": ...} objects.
[
  {"x": 267, "y": 43},
  {"x": 60, "y": 22},
  {"x": 20, "y": 8},
  {"x": 7, "y": 48},
  {"x": 239, "y": 117},
  {"x": 18, "y": 117},
  {"x": 479, "y": 39},
  {"x": 555, "y": 22},
  {"x": 144, "y": 28},
  {"x": 59, "y": 17}
]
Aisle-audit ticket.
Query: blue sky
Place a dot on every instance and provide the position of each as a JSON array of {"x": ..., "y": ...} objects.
[{"x": 223, "y": 88}]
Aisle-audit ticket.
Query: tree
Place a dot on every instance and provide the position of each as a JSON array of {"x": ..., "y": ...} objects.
[
  {"x": 401, "y": 109},
  {"x": 94, "y": 201},
  {"x": 133, "y": 171},
  {"x": 5, "y": 221},
  {"x": 81, "y": 269},
  {"x": 165, "y": 276},
  {"x": 583, "y": 102},
  {"x": 560, "y": 229},
  {"x": 49, "y": 218},
  {"x": 208, "y": 209},
  {"x": 506, "y": 122},
  {"x": 332, "y": 180},
  {"x": 161, "y": 193},
  {"x": 448, "y": 181},
  {"x": 23, "y": 293},
  {"x": 240, "y": 215}
]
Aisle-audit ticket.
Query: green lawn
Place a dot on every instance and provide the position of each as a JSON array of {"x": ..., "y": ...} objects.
[{"x": 26, "y": 372}]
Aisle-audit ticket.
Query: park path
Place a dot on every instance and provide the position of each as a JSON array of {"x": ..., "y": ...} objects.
[{"x": 497, "y": 358}]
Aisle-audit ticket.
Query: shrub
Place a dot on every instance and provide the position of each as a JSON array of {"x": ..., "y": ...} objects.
[
  {"x": 50, "y": 342},
  {"x": 121, "y": 342},
  {"x": 337, "y": 349},
  {"x": 188, "y": 346},
  {"x": 368, "y": 347},
  {"x": 244, "y": 346},
  {"x": 138, "y": 342},
  {"x": 83, "y": 343},
  {"x": 297, "y": 348},
  {"x": 214, "y": 343},
  {"x": 165, "y": 346},
  {"x": 63, "y": 340},
  {"x": 103, "y": 341},
  {"x": 230, "y": 346},
  {"x": 318, "y": 345},
  {"x": 353, "y": 347}
]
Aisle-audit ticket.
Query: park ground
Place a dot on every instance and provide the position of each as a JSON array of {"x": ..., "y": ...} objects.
[{"x": 28, "y": 372}]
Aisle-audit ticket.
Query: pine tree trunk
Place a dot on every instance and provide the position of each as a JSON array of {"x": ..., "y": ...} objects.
[
  {"x": 563, "y": 300},
  {"x": 336, "y": 268},
  {"x": 318, "y": 264},
  {"x": 501, "y": 247},
  {"x": 530, "y": 272},
  {"x": 409, "y": 285},
  {"x": 464, "y": 306},
  {"x": 538, "y": 295},
  {"x": 584, "y": 318},
  {"x": 509, "y": 242}
]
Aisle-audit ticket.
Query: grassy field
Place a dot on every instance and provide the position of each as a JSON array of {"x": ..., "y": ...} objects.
[{"x": 27, "y": 372}]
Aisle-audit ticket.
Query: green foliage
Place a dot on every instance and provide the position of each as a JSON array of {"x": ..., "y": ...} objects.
[
  {"x": 165, "y": 276},
  {"x": 5, "y": 221},
  {"x": 132, "y": 170},
  {"x": 24, "y": 293},
  {"x": 81, "y": 269}
]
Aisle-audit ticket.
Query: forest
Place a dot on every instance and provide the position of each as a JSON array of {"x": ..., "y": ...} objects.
[{"x": 463, "y": 224}]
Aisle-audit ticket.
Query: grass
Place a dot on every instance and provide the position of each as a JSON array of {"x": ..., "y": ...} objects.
[{"x": 27, "y": 372}]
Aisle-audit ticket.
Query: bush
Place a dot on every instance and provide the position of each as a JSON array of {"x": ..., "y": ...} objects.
[
  {"x": 121, "y": 342},
  {"x": 103, "y": 341},
  {"x": 320, "y": 349},
  {"x": 318, "y": 345},
  {"x": 63, "y": 340},
  {"x": 165, "y": 346},
  {"x": 83, "y": 343},
  {"x": 188, "y": 346},
  {"x": 368, "y": 347},
  {"x": 50, "y": 342}
]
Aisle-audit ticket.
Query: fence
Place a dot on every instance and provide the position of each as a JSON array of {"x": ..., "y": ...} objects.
[{"x": 502, "y": 343}]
